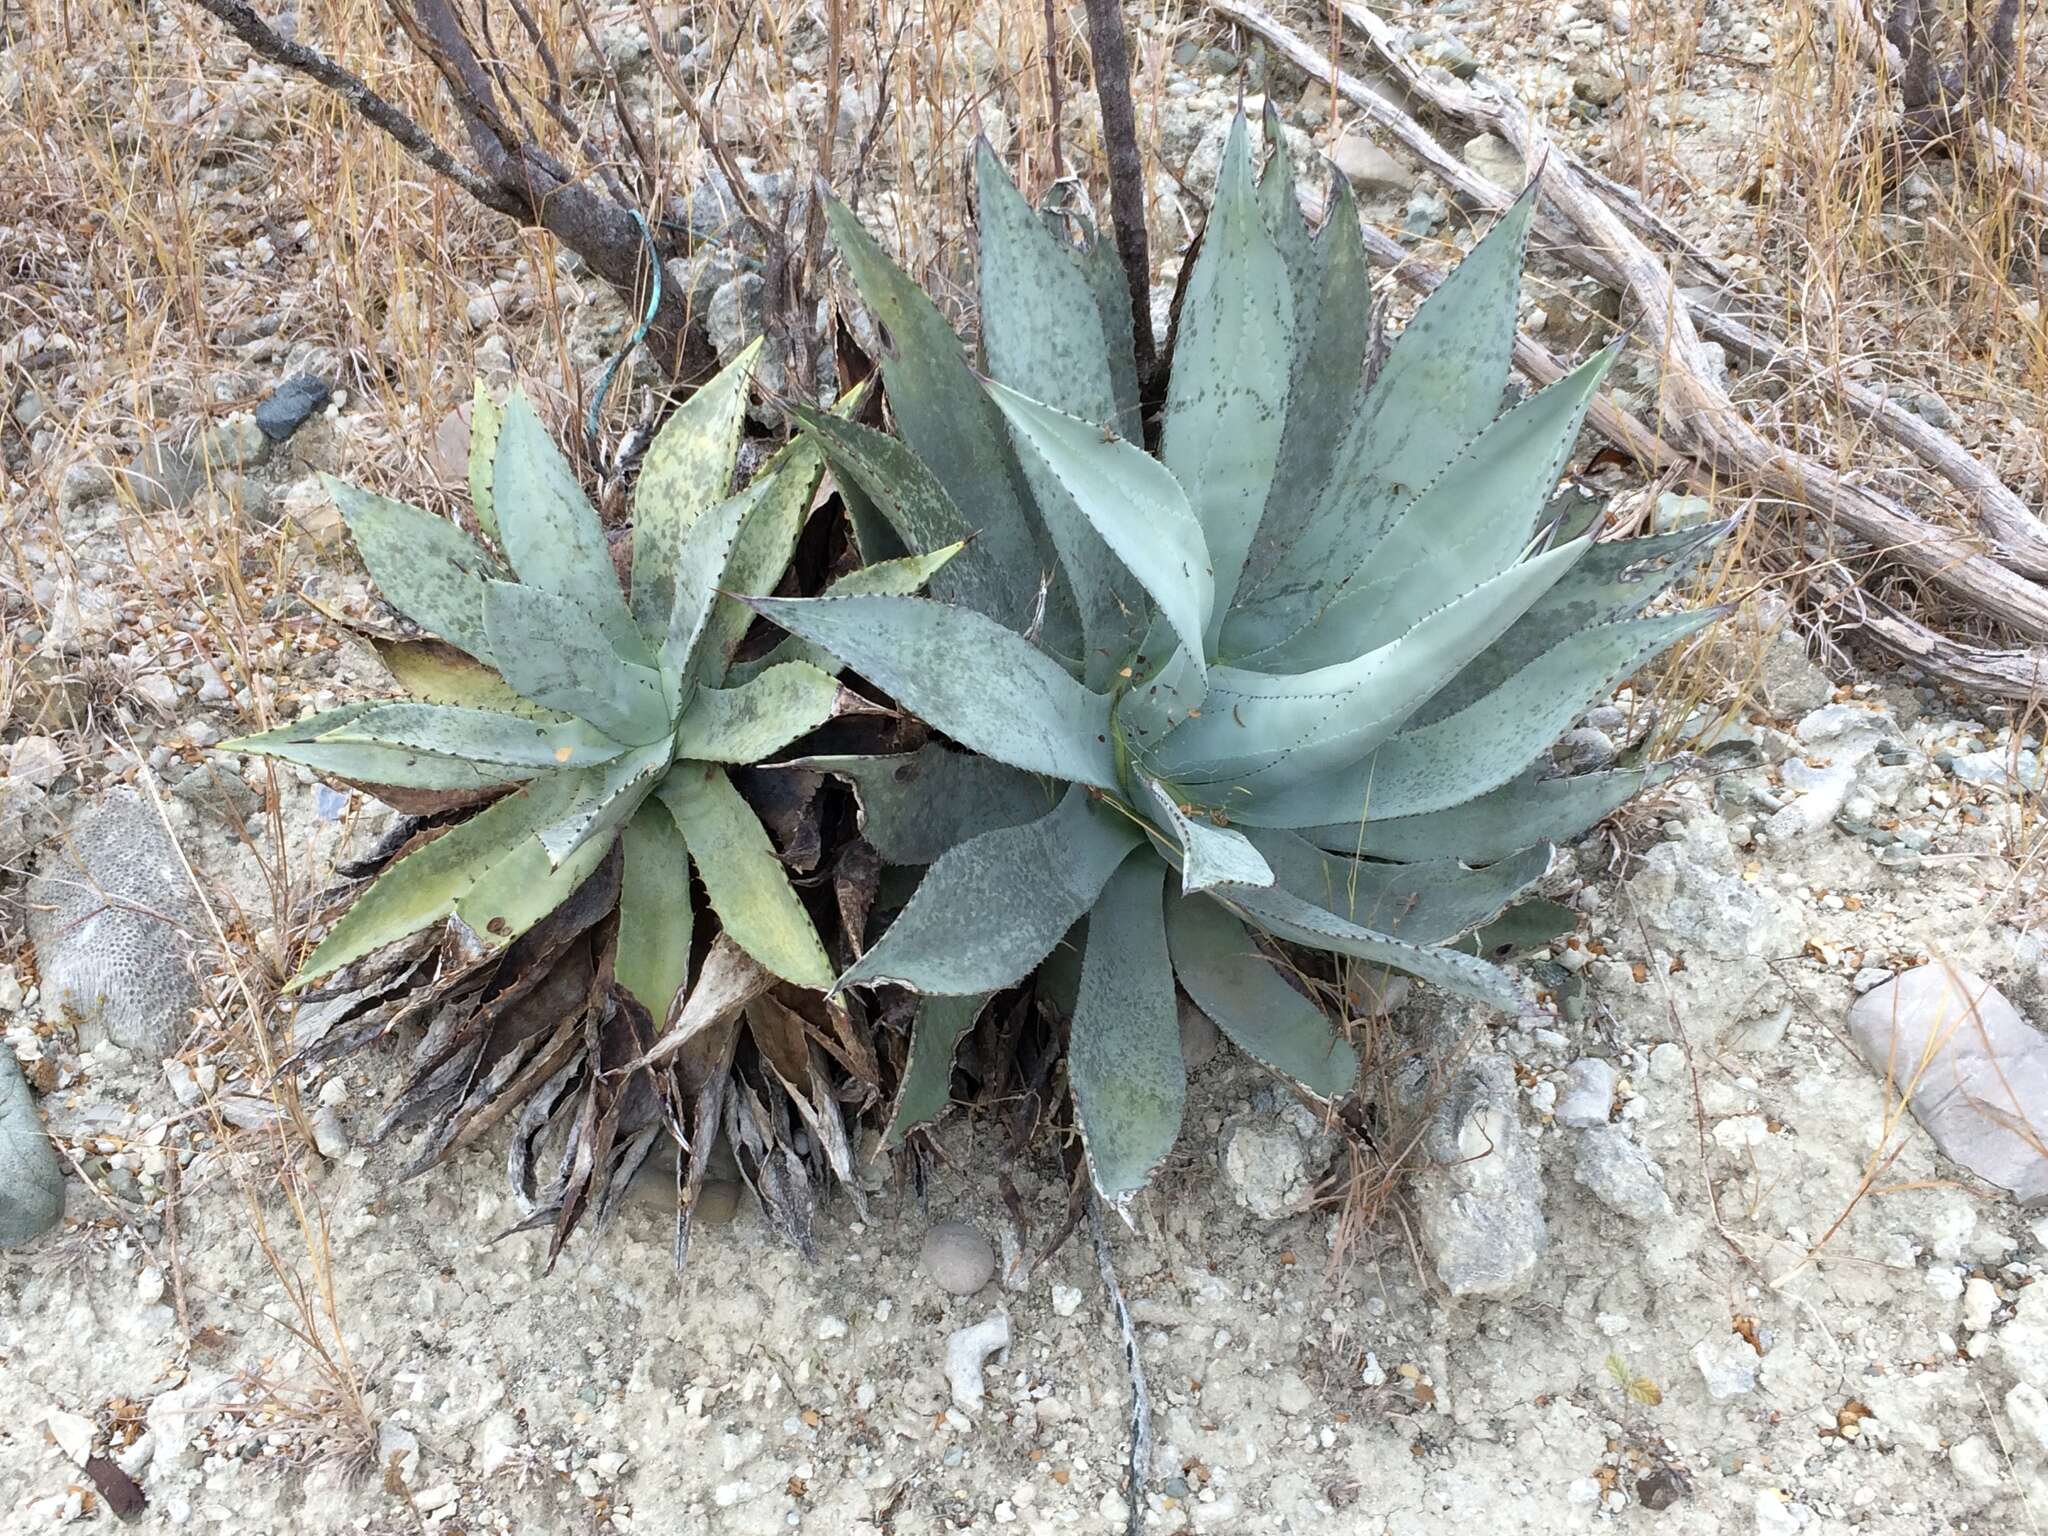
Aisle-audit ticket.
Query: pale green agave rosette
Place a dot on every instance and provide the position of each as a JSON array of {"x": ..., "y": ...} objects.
[
  {"x": 1296, "y": 675},
  {"x": 612, "y": 716}
]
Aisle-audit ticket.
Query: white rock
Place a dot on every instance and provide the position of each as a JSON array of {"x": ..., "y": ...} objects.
[
  {"x": 398, "y": 1452},
  {"x": 1980, "y": 1302},
  {"x": 1066, "y": 1300},
  {"x": 72, "y": 1432},
  {"x": 1588, "y": 1094},
  {"x": 1727, "y": 1364},
  {"x": 1976, "y": 1462},
  {"x": 2027, "y": 1407},
  {"x": 1775, "y": 1516},
  {"x": 830, "y": 1328},
  {"x": 1667, "y": 1062},
  {"x": 965, "y": 1352}
]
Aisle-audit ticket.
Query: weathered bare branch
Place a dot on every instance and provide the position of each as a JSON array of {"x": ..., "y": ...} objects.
[{"x": 1112, "y": 61}]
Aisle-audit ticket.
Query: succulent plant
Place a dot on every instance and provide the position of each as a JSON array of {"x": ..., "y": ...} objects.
[
  {"x": 1294, "y": 676},
  {"x": 580, "y": 734}
]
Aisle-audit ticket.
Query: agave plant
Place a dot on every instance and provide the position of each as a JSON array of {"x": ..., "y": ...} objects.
[
  {"x": 584, "y": 734},
  {"x": 1293, "y": 676}
]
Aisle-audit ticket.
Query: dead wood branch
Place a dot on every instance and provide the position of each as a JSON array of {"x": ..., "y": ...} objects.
[{"x": 1112, "y": 62}]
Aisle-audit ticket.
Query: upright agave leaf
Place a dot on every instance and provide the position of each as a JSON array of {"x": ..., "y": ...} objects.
[
  {"x": 588, "y": 732},
  {"x": 1344, "y": 636}
]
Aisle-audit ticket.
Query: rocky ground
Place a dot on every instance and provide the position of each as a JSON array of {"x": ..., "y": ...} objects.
[{"x": 1676, "y": 1259}]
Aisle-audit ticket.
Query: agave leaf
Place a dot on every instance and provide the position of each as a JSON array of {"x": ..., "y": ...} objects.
[
  {"x": 1329, "y": 372},
  {"x": 1241, "y": 988},
  {"x": 1288, "y": 917},
  {"x": 602, "y": 800},
  {"x": 554, "y": 652},
  {"x": 476, "y": 735},
  {"x": 1210, "y": 855},
  {"x": 1616, "y": 580},
  {"x": 1280, "y": 207},
  {"x": 916, "y": 805},
  {"x": 747, "y": 723},
  {"x": 1039, "y": 323},
  {"x": 924, "y": 517},
  {"x": 1231, "y": 369},
  {"x": 1525, "y": 926},
  {"x": 486, "y": 419},
  {"x": 1134, "y": 503},
  {"x": 966, "y": 675},
  {"x": 1425, "y": 903},
  {"x": 1166, "y": 687},
  {"x": 788, "y": 488},
  {"x": 1448, "y": 540},
  {"x": 1262, "y": 733},
  {"x": 550, "y": 532},
  {"x": 423, "y": 887},
  {"x": 687, "y": 469},
  {"x": 951, "y": 426},
  {"x": 708, "y": 546},
  {"x": 523, "y": 887},
  {"x": 426, "y": 567},
  {"x": 1528, "y": 810},
  {"x": 1486, "y": 743},
  {"x": 992, "y": 907},
  {"x": 306, "y": 742},
  {"x": 1112, "y": 289},
  {"x": 745, "y": 881},
  {"x": 1123, "y": 1051},
  {"x": 1437, "y": 391},
  {"x": 935, "y": 1032},
  {"x": 652, "y": 960},
  {"x": 435, "y": 672},
  {"x": 885, "y": 578}
]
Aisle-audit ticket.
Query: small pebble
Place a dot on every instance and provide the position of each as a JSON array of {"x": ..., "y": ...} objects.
[{"x": 957, "y": 1258}]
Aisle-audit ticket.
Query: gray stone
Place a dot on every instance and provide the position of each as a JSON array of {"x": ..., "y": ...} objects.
[
  {"x": 966, "y": 1350},
  {"x": 1824, "y": 792},
  {"x": 330, "y": 1136},
  {"x": 1728, "y": 1363},
  {"x": 1975, "y": 1070},
  {"x": 290, "y": 405},
  {"x": 1598, "y": 87},
  {"x": 1426, "y": 209},
  {"x": 2027, "y": 1408},
  {"x": 1848, "y": 731},
  {"x": 1675, "y": 513},
  {"x": 236, "y": 442},
  {"x": 1588, "y": 1094},
  {"x": 1272, "y": 1163},
  {"x": 83, "y": 484},
  {"x": 1997, "y": 769},
  {"x": 25, "y": 820},
  {"x": 216, "y": 789},
  {"x": 1449, "y": 52},
  {"x": 1620, "y": 1174},
  {"x": 1693, "y": 899},
  {"x": 1584, "y": 750},
  {"x": 1480, "y": 1197},
  {"x": 111, "y": 912},
  {"x": 1199, "y": 1037},
  {"x": 1368, "y": 167},
  {"x": 31, "y": 1178},
  {"x": 735, "y": 317},
  {"x": 957, "y": 1258},
  {"x": 1495, "y": 159},
  {"x": 162, "y": 476}
]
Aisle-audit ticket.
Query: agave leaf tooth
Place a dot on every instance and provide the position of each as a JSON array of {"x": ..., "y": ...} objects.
[
  {"x": 747, "y": 723},
  {"x": 1210, "y": 855},
  {"x": 368, "y": 762},
  {"x": 423, "y": 886},
  {"x": 914, "y": 806},
  {"x": 1286, "y": 916},
  {"x": 550, "y": 532},
  {"x": 743, "y": 876},
  {"x": 1136, "y": 506},
  {"x": 1123, "y": 1050},
  {"x": 652, "y": 958},
  {"x": 1324, "y": 394},
  {"x": 1526, "y": 811},
  {"x": 486, "y": 418},
  {"x": 950, "y": 426},
  {"x": 1436, "y": 392},
  {"x": 425, "y": 566},
  {"x": 687, "y": 470},
  {"x": 1232, "y": 362},
  {"x": 1486, "y": 743},
  {"x": 1263, "y": 733},
  {"x": 525, "y": 886},
  {"x": 761, "y": 554},
  {"x": 1461, "y": 530},
  {"x": 1615, "y": 580},
  {"x": 1429, "y": 902},
  {"x": 936, "y": 1030},
  {"x": 1039, "y": 323},
  {"x": 925, "y": 518},
  {"x": 1241, "y": 988},
  {"x": 992, "y": 907},
  {"x": 554, "y": 652},
  {"x": 966, "y": 675},
  {"x": 602, "y": 800},
  {"x": 886, "y": 578}
]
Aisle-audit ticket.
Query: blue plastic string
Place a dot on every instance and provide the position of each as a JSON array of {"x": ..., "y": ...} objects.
[{"x": 611, "y": 369}]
